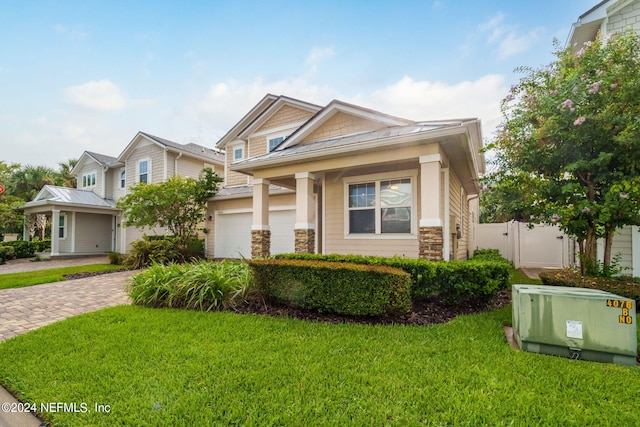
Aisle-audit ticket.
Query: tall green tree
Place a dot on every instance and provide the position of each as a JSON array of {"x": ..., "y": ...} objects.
[
  {"x": 27, "y": 181},
  {"x": 569, "y": 145},
  {"x": 179, "y": 204},
  {"x": 64, "y": 176}
]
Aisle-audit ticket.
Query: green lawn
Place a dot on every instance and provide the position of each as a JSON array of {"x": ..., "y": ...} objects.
[
  {"x": 37, "y": 277},
  {"x": 157, "y": 367}
]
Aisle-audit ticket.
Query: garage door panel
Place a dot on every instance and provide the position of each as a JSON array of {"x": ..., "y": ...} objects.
[{"x": 233, "y": 233}]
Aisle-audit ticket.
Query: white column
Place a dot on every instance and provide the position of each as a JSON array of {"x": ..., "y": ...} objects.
[
  {"x": 430, "y": 215},
  {"x": 260, "y": 204},
  {"x": 305, "y": 203},
  {"x": 55, "y": 227},
  {"x": 635, "y": 251}
]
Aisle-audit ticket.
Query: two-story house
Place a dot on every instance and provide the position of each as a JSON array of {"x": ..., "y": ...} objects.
[
  {"x": 345, "y": 179},
  {"x": 85, "y": 219}
]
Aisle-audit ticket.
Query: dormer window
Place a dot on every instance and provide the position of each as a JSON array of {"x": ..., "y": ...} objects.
[{"x": 274, "y": 142}]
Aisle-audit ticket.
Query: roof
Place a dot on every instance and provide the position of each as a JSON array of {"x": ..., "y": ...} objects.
[
  {"x": 352, "y": 142},
  {"x": 191, "y": 148},
  {"x": 102, "y": 159},
  {"x": 259, "y": 113},
  {"x": 240, "y": 191},
  {"x": 51, "y": 194}
]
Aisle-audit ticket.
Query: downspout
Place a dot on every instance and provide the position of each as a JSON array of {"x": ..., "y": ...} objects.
[
  {"x": 473, "y": 225},
  {"x": 104, "y": 181},
  {"x": 175, "y": 164}
]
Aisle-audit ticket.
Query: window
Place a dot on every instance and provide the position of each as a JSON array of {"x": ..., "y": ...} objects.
[
  {"x": 62, "y": 227},
  {"x": 238, "y": 153},
  {"x": 380, "y": 207},
  {"x": 123, "y": 178},
  {"x": 143, "y": 171},
  {"x": 274, "y": 142},
  {"x": 89, "y": 180}
]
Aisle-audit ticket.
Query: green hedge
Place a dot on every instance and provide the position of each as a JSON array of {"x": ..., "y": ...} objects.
[
  {"x": 340, "y": 288},
  {"x": 454, "y": 282},
  {"x": 7, "y": 253},
  {"x": 22, "y": 248},
  {"x": 625, "y": 288}
]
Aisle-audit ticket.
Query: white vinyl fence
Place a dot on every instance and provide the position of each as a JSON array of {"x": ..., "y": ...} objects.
[{"x": 543, "y": 246}]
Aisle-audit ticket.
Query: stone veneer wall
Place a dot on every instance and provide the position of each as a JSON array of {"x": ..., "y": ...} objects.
[
  {"x": 305, "y": 241},
  {"x": 430, "y": 243},
  {"x": 260, "y": 243}
]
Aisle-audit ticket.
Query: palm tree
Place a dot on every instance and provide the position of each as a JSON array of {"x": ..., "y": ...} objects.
[
  {"x": 29, "y": 180},
  {"x": 64, "y": 175}
]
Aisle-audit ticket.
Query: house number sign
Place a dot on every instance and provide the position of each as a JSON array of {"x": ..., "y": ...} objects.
[{"x": 625, "y": 306}]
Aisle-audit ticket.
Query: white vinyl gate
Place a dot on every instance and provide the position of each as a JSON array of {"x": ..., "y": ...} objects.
[{"x": 543, "y": 246}]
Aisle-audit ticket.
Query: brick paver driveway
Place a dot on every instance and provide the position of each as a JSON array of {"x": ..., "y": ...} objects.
[{"x": 24, "y": 309}]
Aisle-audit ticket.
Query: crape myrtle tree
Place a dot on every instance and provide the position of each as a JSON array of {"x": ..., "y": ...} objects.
[
  {"x": 568, "y": 151},
  {"x": 179, "y": 204}
]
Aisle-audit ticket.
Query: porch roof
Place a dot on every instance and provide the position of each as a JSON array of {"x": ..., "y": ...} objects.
[{"x": 51, "y": 194}]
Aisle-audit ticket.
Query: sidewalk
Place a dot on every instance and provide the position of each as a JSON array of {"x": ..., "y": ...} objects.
[{"x": 31, "y": 307}]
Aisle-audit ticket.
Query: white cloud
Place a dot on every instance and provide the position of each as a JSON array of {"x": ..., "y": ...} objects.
[
  {"x": 317, "y": 56},
  {"x": 224, "y": 103},
  {"x": 424, "y": 100},
  {"x": 508, "y": 39},
  {"x": 99, "y": 95}
]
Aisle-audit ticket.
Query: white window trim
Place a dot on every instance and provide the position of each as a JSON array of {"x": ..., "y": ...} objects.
[
  {"x": 122, "y": 184},
  {"x": 231, "y": 148},
  {"x": 149, "y": 169},
  {"x": 89, "y": 175},
  {"x": 362, "y": 179},
  {"x": 283, "y": 135},
  {"x": 65, "y": 228}
]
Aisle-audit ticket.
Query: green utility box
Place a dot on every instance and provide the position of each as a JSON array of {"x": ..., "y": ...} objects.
[{"x": 578, "y": 323}]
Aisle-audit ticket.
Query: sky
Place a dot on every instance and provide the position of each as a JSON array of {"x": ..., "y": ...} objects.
[{"x": 90, "y": 74}]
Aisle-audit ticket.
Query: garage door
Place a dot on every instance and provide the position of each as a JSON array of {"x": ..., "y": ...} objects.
[{"x": 233, "y": 233}]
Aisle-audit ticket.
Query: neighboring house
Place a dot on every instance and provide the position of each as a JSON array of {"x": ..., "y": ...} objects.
[
  {"x": 340, "y": 178},
  {"x": 606, "y": 18},
  {"x": 85, "y": 220}
]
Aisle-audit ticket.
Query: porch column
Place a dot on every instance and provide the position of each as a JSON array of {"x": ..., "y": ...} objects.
[
  {"x": 55, "y": 234},
  {"x": 305, "y": 233},
  {"x": 430, "y": 234},
  {"x": 260, "y": 231},
  {"x": 26, "y": 228}
]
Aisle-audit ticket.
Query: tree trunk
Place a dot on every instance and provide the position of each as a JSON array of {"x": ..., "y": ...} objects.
[
  {"x": 590, "y": 253},
  {"x": 581, "y": 256},
  {"x": 608, "y": 243}
]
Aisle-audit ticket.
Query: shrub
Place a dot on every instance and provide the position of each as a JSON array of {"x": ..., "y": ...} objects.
[
  {"x": 627, "y": 288},
  {"x": 41, "y": 245},
  {"x": 202, "y": 286},
  {"x": 7, "y": 253},
  {"x": 454, "y": 282},
  {"x": 341, "y": 288},
  {"x": 23, "y": 249},
  {"x": 163, "y": 250},
  {"x": 146, "y": 252},
  {"x": 115, "y": 258}
]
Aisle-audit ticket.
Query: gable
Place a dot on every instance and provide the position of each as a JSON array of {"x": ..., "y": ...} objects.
[
  {"x": 284, "y": 116},
  {"x": 342, "y": 123}
]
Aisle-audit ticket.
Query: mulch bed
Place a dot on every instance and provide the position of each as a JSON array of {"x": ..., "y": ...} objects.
[{"x": 426, "y": 312}]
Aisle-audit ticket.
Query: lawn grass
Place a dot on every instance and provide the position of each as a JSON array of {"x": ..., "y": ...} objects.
[
  {"x": 37, "y": 277},
  {"x": 157, "y": 367},
  {"x": 517, "y": 276}
]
